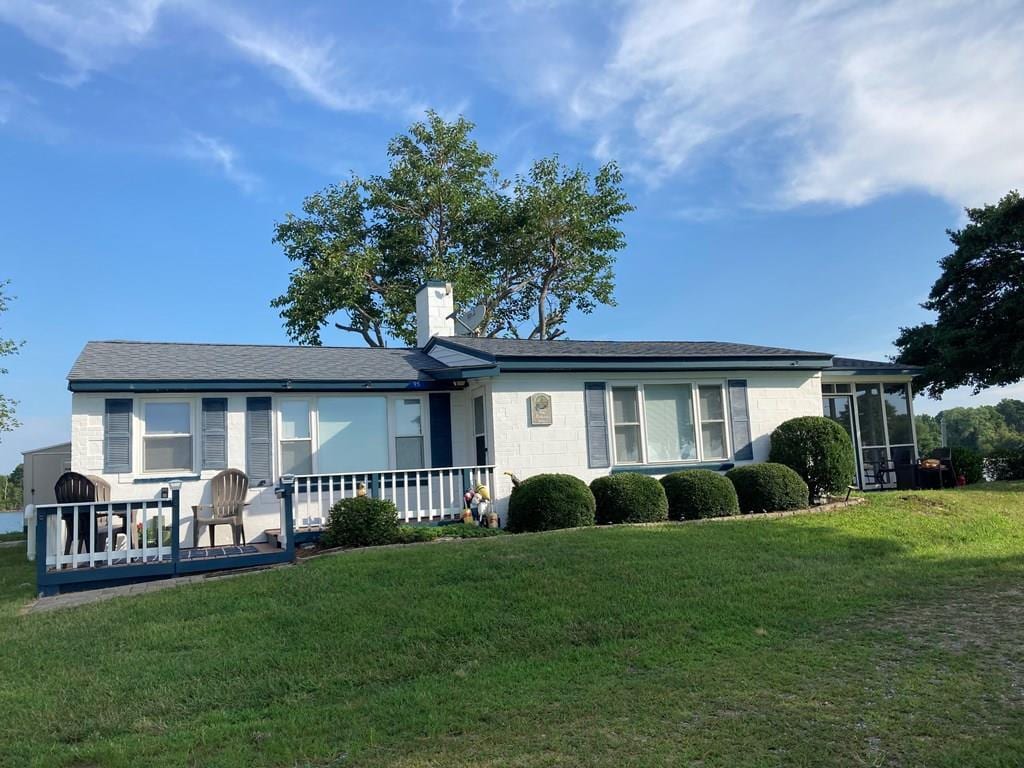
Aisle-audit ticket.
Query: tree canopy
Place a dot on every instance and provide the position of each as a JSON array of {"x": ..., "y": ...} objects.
[
  {"x": 977, "y": 338},
  {"x": 526, "y": 251},
  {"x": 983, "y": 428},
  {"x": 7, "y": 347}
]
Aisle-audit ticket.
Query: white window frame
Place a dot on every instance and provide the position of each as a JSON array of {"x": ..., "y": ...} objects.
[
  {"x": 140, "y": 416},
  {"x": 694, "y": 385},
  {"x": 313, "y": 402},
  {"x": 278, "y": 431}
]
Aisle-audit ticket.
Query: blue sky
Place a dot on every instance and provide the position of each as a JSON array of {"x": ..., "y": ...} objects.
[{"x": 794, "y": 166}]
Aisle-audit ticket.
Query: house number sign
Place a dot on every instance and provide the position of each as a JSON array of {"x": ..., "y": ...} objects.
[{"x": 540, "y": 409}]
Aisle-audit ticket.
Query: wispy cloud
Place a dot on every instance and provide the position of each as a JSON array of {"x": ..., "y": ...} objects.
[
  {"x": 91, "y": 36},
  {"x": 96, "y": 35},
  {"x": 829, "y": 101},
  {"x": 222, "y": 157}
]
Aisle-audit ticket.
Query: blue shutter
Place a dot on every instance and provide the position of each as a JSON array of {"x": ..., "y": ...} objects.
[
  {"x": 739, "y": 411},
  {"x": 596, "y": 409},
  {"x": 257, "y": 440},
  {"x": 215, "y": 432},
  {"x": 440, "y": 429},
  {"x": 117, "y": 435}
]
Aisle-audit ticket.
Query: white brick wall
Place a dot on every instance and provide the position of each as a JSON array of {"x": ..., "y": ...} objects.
[
  {"x": 525, "y": 450},
  {"x": 434, "y": 307}
]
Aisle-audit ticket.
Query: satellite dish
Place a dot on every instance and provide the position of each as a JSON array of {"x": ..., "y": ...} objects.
[{"x": 468, "y": 323}]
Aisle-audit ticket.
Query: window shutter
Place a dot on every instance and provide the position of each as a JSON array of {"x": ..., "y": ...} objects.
[
  {"x": 597, "y": 424},
  {"x": 739, "y": 411},
  {"x": 257, "y": 440},
  {"x": 440, "y": 429},
  {"x": 215, "y": 432},
  {"x": 117, "y": 435}
]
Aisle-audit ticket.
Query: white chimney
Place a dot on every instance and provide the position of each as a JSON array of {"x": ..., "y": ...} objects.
[{"x": 435, "y": 306}]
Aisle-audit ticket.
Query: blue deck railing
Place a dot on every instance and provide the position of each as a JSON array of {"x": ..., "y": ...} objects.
[{"x": 137, "y": 540}]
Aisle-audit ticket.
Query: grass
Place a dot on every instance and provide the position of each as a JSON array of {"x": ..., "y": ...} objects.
[
  {"x": 883, "y": 635},
  {"x": 12, "y": 536}
]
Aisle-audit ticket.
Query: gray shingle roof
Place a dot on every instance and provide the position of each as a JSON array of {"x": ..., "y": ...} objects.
[
  {"x": 853, "y": 363},
  {"x": 710, "y": 350},
  {"x": 156, "y": 361}
]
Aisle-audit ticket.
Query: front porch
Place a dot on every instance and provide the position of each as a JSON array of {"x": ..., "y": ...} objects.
[{"x": 98, "y": 544}]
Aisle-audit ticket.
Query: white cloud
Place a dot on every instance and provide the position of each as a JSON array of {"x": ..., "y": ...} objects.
[
  {"x": 221, "y": 156},
  {"x": 95, "y": 35},
  {"x": 91, "y": 36},
  {"x": 828, "y": 101}
]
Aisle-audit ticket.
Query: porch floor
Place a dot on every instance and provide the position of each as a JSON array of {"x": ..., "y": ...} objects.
[{"x": 184, "y": 554}]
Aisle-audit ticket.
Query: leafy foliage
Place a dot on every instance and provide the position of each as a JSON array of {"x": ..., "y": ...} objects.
[
  {"x": 1007, "y": 463},
  {"x": 929, "y": 433},
  {"x": 527, "y": 252},
  {"x": 969, "y": 463},
  {"x": 548, "y": 502},
  {"x": 7, "y": 347},
  {"x": 361, "y": 522},
  {"x": 977, "y": 338},
  {"x": 819, "y": 450},
  {"x": 697, "y": 493},
  {"x": 768, "y": 487},
  {"x": 629, "y": 497}
]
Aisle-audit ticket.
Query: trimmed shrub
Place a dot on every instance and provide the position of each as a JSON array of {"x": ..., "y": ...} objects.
[
  {"x": 969, "y": 463},
  {"x": 768, "y": 487},
  {"x": 629, "y": 498},
  {"x": 819, "y": 450},
  {"x": 361, "y": 522},
  {"x": 548, "y": 502},
  {"x": 1006, "y": 463},
  {"x": 696, "y": 493}
]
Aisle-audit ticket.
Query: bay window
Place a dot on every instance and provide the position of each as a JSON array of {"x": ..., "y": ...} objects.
[
  {"x": 166, "y": 436},
  {"x": 353, "y": 434},
  {"x": 660, "y": 422}
]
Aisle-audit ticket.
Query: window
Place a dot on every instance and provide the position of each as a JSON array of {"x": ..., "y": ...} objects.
[
  {"x": 353, "y": 434},
  {"x": 409, "y": 433},
  {"x": 296, "y": 441},
  {"x": 668, "y": 410},
  {"x": 897, "y": 414},
  {"x": 626, "y": 416},
  {"x": 669, "y": 422},
  {"x": 166, "y": 436},
  {"x": 712, "y": 421}
]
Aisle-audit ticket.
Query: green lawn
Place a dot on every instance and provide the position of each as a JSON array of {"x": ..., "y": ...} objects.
[
  {"x": 12, "y": 536},
  {"x": 886, "y": 634}
]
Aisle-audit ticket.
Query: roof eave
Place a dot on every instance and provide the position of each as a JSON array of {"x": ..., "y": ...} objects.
[{"x": 251, "y": 385}]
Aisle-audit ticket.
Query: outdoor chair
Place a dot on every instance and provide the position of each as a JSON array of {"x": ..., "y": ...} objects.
[
  {"x": 879, "y": 473},
  {"x": 73, "y": 488},
  {"x": 227, "y": 496},
  {"x": 945, "y": 472}
]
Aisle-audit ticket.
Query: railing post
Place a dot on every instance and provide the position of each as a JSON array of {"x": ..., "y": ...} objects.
[
  {"x": 175, "y": 523},
  {"x": 285, "y": 491},
  {"x": 41, "y": 519}
]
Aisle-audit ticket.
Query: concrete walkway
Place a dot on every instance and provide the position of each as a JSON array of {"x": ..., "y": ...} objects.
[{"x": 87, "y": 597}]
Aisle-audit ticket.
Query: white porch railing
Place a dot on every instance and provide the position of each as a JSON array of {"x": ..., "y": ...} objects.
[
  {"x": 107, "y": 533},
  {"x": 420, "y": 495}
]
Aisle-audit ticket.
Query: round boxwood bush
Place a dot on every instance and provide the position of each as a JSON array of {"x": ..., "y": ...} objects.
[
  {"x": 696, "y": 493},
  {"x": 819, "y": 450},
  {"x": 629, "y": 498},
  {"x": 969, "y": 463},
  {"x": 547, "y": 502},
  {"x": 768, "y": 487},
  {"x": 361, "y": 522}
]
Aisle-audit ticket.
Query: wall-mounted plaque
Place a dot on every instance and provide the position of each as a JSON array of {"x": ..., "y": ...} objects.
[{"x": 540, "y": 410}]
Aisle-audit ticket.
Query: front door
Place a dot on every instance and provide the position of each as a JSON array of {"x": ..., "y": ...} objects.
[{"x": 839, "y": 408}]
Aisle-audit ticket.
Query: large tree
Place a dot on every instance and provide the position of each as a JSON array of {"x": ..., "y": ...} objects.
[
  {"x": 977, "y": 338},
  {"x": 525, "y": 253},
  {"x": 7, "y": 347}
]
